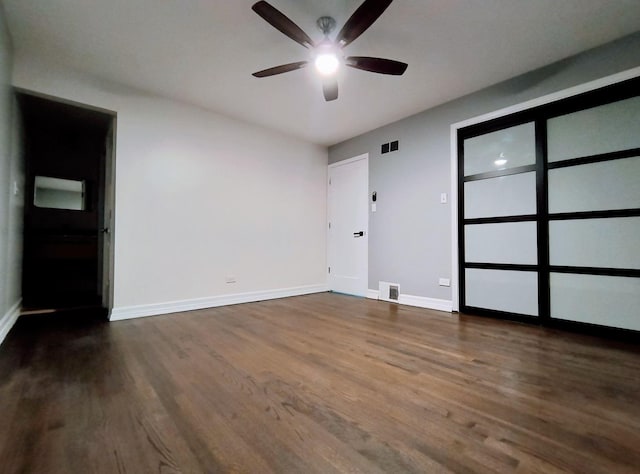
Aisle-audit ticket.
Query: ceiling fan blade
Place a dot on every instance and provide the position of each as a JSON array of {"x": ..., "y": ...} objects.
[
  {"x": 379, "y": 65},
  {"x": 362, "y": 18},
  {"x": 330, "y": 89},
  {"x": 272, "y": 71},
  {"x": 282, "y": 23}
]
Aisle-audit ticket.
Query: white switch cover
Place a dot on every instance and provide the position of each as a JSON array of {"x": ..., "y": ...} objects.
[
  {"x": 443, "y": 198},
  {"x": 444, "y": 282},
  {"x": 373, "y": 207}
]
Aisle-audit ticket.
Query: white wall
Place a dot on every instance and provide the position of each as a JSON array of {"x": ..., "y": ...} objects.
[
  {"x": 10, "y": 202},
  {"x": 200, "y": 197}
]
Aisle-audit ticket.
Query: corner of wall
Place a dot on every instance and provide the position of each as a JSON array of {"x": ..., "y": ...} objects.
[
  {"x": 10, "y": 201},
  {"x": 8, "y": 320}
]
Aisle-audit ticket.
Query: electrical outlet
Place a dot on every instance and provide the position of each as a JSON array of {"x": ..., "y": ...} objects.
[{"x": 444, "y": 282}]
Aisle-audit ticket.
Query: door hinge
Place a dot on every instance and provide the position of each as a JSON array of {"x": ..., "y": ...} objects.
[
  {"x": 329, "y": 181},
  {"x": 329, "y": 269},
  {"x": 329, "y": 225}
]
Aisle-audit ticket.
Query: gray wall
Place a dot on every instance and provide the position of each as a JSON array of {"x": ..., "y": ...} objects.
[
  {"x": 410, "y": 234},
  {"x": 10, "y": 203}
]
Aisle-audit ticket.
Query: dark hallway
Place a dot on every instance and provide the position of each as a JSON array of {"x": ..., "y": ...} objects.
[{"x": 64, "y": 149}]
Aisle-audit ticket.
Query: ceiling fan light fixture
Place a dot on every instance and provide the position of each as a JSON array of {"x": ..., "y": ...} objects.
[
  {"x": 327, "y": 64},
  {"x": 327, "y": 55}
]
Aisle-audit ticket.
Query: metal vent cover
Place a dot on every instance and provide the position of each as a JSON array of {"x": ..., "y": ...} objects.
[{"x": 389, "y": 291}]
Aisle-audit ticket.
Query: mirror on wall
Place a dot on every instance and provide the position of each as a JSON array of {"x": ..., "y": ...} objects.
[{"x": 58, "y": 193}]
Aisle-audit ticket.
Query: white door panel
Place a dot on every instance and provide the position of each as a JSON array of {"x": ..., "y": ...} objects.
[{"x": 348, "y": 238}]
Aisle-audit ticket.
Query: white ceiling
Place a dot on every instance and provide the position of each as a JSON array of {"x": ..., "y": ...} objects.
[{"x": 204, "y": 51}]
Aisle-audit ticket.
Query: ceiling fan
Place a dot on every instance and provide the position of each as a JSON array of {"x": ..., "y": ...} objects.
[{"x": 327, "y": 55}]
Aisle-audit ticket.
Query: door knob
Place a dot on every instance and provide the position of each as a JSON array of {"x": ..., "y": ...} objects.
[{"x": 358, "y": 234}]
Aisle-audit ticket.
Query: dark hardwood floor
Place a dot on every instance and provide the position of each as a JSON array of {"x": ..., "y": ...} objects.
[{"x": 315, "y": 384}]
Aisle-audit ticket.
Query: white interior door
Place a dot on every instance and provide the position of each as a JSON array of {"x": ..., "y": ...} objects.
[{"x": 348, "y": 234}]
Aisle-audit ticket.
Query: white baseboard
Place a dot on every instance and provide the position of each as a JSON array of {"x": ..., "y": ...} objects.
[
  {"x": 141, "y": 311},
  {"x": 8, "y": 319},
  {"x": 424, "y": 302},
  {"x": 419, "y": 301},
  {"x": 373, "y": 294}
]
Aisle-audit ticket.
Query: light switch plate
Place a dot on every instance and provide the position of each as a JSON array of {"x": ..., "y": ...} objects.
[
  {"x": 374, "y": 207},
  {"x": 443, "y": 198},
  {"x": 444, "y": 282}
]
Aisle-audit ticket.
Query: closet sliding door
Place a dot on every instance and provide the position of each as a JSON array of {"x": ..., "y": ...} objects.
[
  {"x": 594, "y": 215},
  {"x": 549, "y": 212},
  {"x": 499, "y": 224}
]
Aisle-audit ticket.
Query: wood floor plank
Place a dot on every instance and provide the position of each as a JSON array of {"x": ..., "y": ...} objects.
[{"x": 320, "y": 383}]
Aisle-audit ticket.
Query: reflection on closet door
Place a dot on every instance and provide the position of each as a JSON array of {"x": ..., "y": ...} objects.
[
  {"x": 502, "y": 290},
  {"x": 595, "y": 299},
  {"x": 504, "y": 149}
]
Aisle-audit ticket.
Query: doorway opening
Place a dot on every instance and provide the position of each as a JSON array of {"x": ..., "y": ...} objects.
[{"x": 68, "y": 211}]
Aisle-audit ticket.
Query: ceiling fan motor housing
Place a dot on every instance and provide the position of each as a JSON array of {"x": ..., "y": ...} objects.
[{"x": 326, "y": 24}]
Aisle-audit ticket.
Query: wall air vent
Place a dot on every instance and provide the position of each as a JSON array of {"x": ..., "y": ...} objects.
[
  {"x": 389, "y": 147},
  {"x": 388, "y": 291}
]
